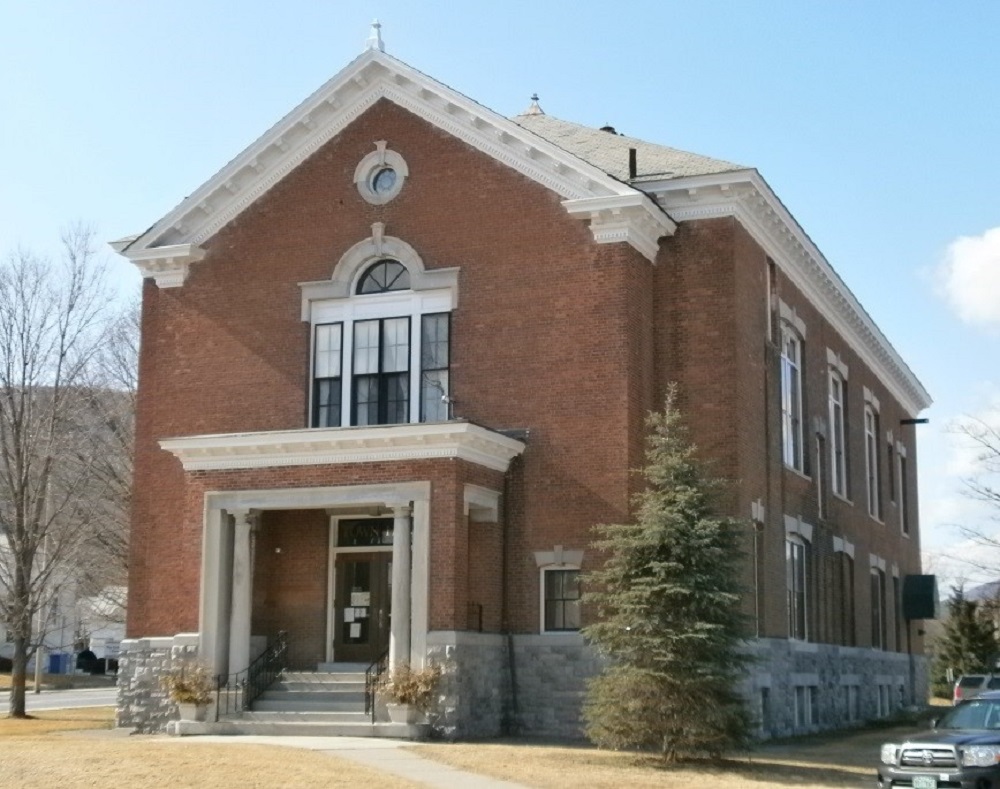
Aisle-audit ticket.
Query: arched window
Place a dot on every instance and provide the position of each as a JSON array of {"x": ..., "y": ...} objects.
[
  {"x": 384, "y": 276},
  {"x": 381, "y": 337}
]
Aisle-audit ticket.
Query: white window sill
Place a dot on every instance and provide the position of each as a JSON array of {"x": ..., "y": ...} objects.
[
  {"x": 842, "y": 498},
  {"x": 798, "y": 472}
]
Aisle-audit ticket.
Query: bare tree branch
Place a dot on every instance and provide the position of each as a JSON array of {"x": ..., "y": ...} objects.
[{"x": 56, "y": 321}]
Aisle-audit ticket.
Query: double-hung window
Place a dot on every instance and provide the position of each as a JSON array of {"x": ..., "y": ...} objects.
[
  {"x": 878, "y": 608},
  {"x": 796, "y": 575},
  {"x": 381, "y": 355},
  {"x": 791, "y": 398},
  {"x": 838, "y": 445},
  {"x": 873, "y": 462},
  {"x": 560, "y": 599}
]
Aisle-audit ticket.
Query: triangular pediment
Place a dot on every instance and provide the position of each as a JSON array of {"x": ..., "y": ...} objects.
[{"x": 176, "y": 239}]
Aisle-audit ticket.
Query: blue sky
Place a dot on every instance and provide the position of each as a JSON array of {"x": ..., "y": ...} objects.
[{"x": 876, "y": 124}]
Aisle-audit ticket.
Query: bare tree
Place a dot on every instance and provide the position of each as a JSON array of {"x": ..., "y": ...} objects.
[
  {"x": 985, "y": 486},
  {"x": 53, "y": 321},
  {"x": 111, "y": 429},
  {"x": 983, "y": 437}
]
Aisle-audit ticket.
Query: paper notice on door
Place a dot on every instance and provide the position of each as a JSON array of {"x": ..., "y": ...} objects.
[
  {"x": 355, "y": 630},
  {"x": 348, "y": 614},
  {"x": 361, "y": 598},
  {"x": 360, "y": 613}
]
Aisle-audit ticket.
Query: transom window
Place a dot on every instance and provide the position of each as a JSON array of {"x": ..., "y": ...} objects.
[
  {"x": 384, "y": 276},
  {"x": 381, "y": 355}
]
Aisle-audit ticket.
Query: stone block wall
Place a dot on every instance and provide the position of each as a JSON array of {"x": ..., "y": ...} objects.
[
  {"x": 474, "y": 693},
  {"x": 551, "y": 673},
  {"x": 143, "y": 705},
  {"x": 883, "y": 682}
]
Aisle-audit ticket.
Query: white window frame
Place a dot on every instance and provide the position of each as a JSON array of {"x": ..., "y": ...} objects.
[
  {"x": 336, "y": 301},
  {"x": 796, "y": 550},
  {"x": 792, "y": 451},
  {"x": 873, "y": 464},
  {"x": 837, "y": 395},
  {"x": 550, "y": 568}
]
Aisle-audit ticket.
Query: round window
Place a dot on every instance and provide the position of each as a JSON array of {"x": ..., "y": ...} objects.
[
  {"x": 380, "y": 175},
  {"x": 383, "y": 180}
]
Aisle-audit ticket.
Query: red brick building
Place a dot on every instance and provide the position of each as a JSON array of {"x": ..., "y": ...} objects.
[{"x": 396, "y": 358}]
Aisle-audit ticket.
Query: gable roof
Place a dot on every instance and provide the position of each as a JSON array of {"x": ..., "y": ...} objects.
[
  {"x": 587, "y": 167},
  {"x": 610, "y": 151},
  {"x": 167, "y": 248}
]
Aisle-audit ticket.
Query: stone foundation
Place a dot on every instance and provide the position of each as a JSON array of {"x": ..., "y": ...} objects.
[
  {"x": 534, "y": 685},
  {"x": 793, "y": 687},
  {"x": 143, "y": 705}
]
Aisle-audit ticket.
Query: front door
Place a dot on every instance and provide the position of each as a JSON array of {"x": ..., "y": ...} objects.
[{"x": 361, "y": 606}]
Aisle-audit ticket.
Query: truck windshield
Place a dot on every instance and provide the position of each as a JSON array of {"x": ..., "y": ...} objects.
[{"x": 976, "y": 714}]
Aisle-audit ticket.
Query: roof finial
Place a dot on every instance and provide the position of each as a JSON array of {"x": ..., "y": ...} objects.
[
  {"x": 534, "y": 108},
  {"x": 375, "y": 37}
]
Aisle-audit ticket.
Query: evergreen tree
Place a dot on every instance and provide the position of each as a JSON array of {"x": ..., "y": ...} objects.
[
  {"x": 968, "y": 644},
  {"x": 668, "y": 613}
]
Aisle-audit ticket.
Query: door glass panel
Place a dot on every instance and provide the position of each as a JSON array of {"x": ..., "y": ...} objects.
[{"x": 364, "y": 531}]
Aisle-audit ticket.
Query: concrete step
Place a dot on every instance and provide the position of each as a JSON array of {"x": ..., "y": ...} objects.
[
  {"x": 342, "y": 668},
  {"x": 301, "y": 728},
  {"x": 347, "y": 696},
  {"x": 318, "y": 685},
  {"x": 307, "y": 705},
  {"x": 311, "y": 679},
  {"x": 303, "y": 716}
]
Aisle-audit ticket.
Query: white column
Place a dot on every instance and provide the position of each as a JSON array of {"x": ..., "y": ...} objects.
[
  {"x": 399, "y": 637},
  {"x": 216, "y": 594},
  {"x": 239, "y": 617}
]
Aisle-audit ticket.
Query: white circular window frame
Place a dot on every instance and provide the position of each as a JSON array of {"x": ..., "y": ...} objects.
[{"x": 368, "y": 168}]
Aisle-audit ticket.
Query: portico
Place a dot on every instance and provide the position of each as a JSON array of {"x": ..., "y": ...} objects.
[{"x": 356, "y": 608}]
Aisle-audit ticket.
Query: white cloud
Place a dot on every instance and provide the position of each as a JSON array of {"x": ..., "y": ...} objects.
[{"x": 969, "y": 278}]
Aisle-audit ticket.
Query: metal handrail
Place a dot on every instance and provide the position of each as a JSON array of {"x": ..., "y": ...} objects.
[
  {"x": 236, "y": 692},
  {"x": 373, "y": 674}
]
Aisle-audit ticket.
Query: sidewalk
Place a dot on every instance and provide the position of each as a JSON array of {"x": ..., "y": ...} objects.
[{"x": 389, "y": 756}]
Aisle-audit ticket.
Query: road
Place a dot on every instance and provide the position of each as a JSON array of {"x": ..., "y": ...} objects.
[{"x": 65, "y": 699}]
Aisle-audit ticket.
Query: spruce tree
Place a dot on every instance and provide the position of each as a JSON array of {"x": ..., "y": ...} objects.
[
  {"x": 968, "y": 644},
  {"x": 668, "y": 613}
]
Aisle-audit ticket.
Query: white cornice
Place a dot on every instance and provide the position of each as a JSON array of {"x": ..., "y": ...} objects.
[
  {"x": 168, "y": 265},
  {"x": 321, "y": 446},
  {"x": 631, "y": 218},
  {"x": 373, "y": 76},
  {"x": 746, "y": 196}
]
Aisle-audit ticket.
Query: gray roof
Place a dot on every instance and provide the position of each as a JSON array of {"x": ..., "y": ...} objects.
[{"x": 608, "y": 151}]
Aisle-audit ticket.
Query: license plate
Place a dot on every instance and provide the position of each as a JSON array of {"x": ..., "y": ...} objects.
[{"x": 924, "y": 782}]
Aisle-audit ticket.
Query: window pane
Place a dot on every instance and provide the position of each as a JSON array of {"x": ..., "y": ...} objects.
[
  {"x": 434, "y": 342},
  {"x": 395, "y": 345},
  {"x": 327, "y": 360},
  {"x": 397, "y": 399},
  {"x": 366, "y": 400},
  {"x": 366, "y": 347},
  {"x": 327, "y": 403},
  {"x": 434, "y": 387}
]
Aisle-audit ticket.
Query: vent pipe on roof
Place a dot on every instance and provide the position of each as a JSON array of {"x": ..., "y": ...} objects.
[
  {"x": 631, "y": 163},
  {"x": 609, "y": 129}
]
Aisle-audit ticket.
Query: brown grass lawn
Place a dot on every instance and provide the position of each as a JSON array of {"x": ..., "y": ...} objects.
[
  {"x": 819, "y": 762},
  {"x": 74, "y": 747},
  {"x": 52, "y": 750}
]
